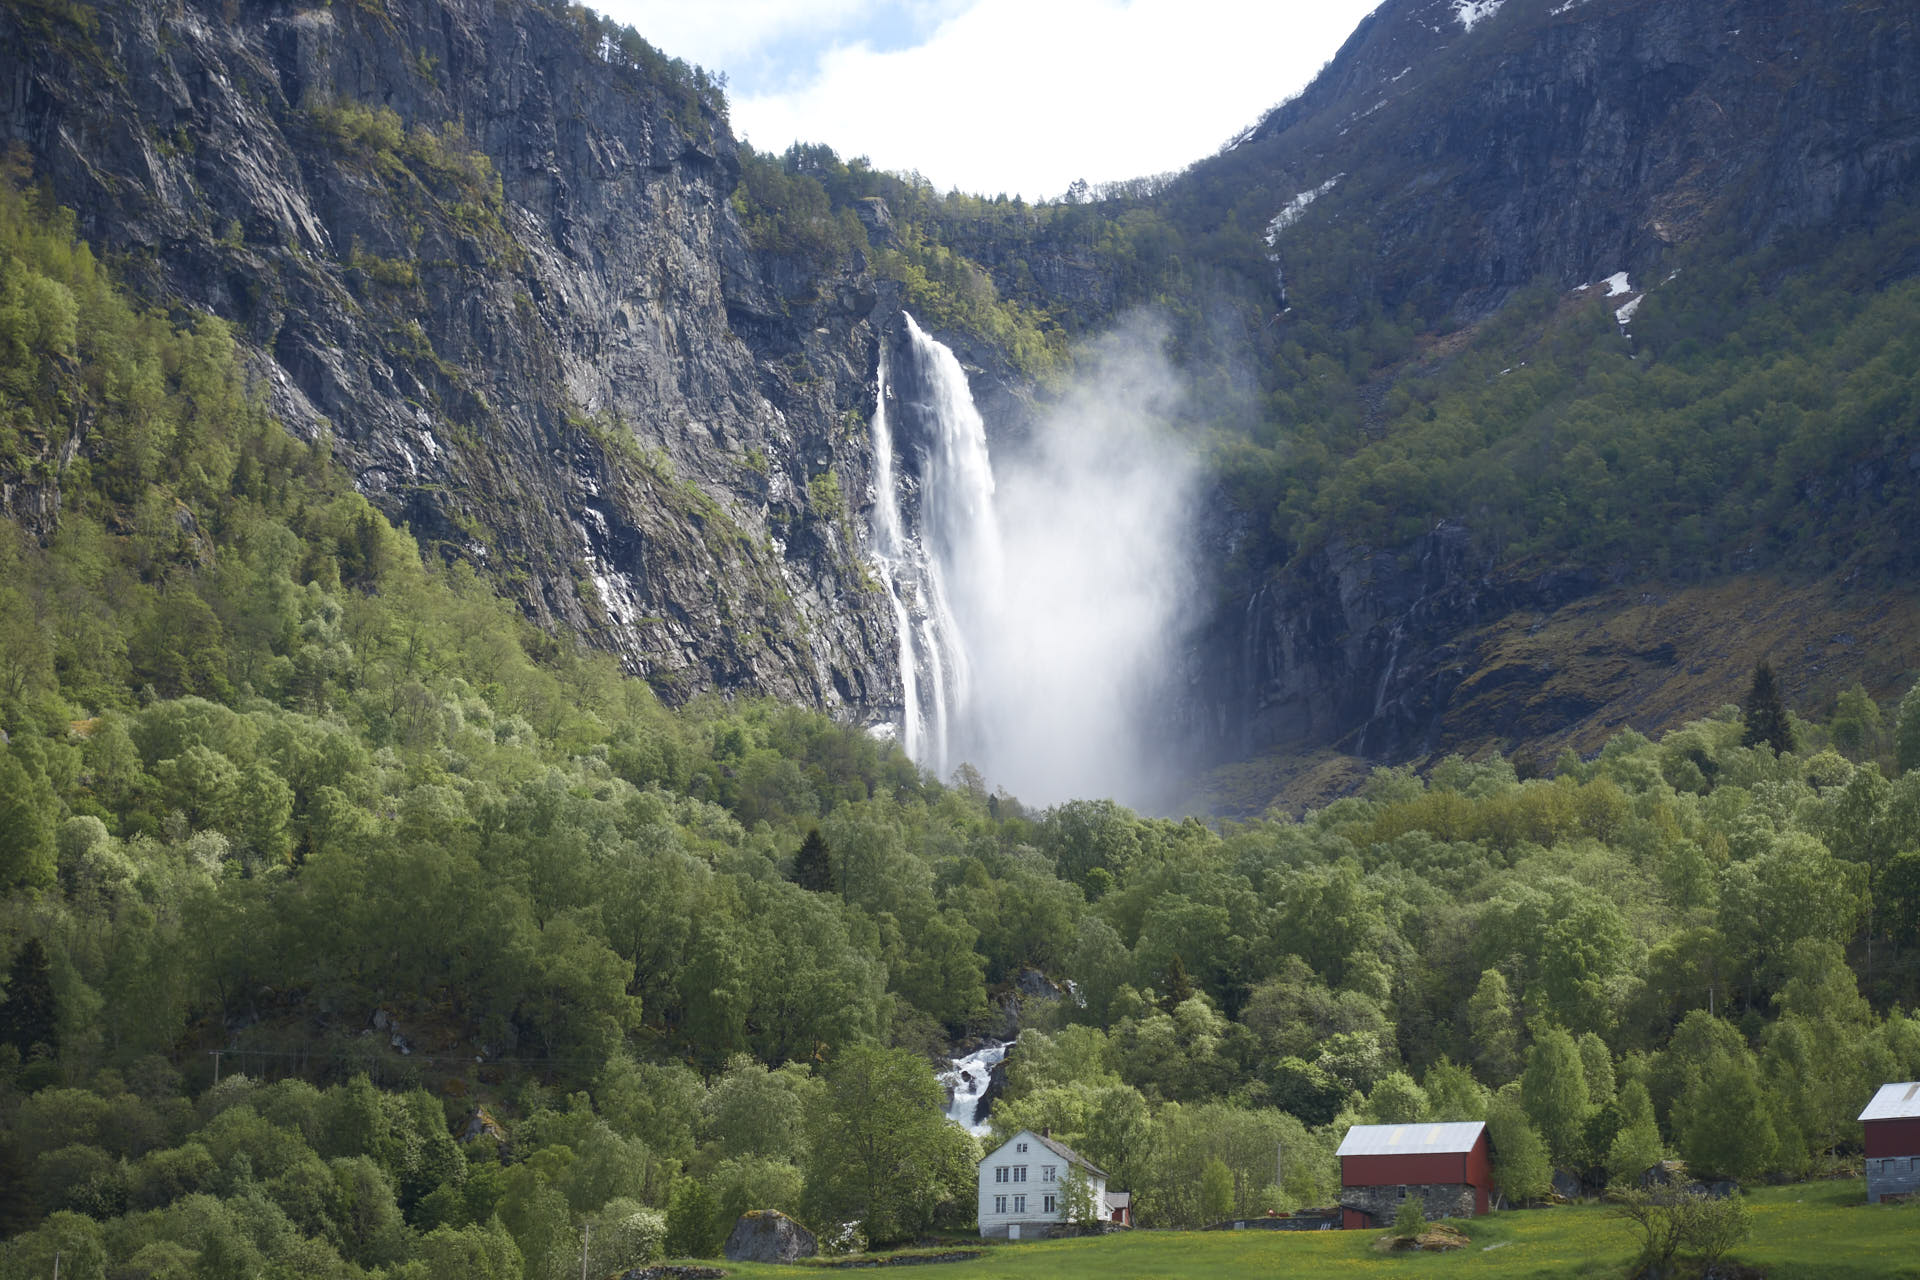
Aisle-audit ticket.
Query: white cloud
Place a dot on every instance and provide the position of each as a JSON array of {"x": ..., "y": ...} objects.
[
  {"x": 1006, "y": 95},
  {"x": 721, "y": 33}
]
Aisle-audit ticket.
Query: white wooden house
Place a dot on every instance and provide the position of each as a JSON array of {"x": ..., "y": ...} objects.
[{"x": 1022, "y": 1183}]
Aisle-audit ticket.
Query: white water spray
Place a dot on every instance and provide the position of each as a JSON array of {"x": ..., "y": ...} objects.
[
  {"x": 1035, "y": 615},
  {"x": 967, "y": 1081}
]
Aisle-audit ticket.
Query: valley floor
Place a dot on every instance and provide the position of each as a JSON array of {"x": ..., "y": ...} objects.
[{"x": 1808, "y": 1231}]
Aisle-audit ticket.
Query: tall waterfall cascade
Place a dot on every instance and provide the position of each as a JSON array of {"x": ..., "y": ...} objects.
[
  {"x": 1034, "y": 595},
  {"x": 943, "y": 582}
]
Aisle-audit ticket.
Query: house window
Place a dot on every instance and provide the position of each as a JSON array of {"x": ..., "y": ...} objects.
[
  {"x": 1019, "y": 1204},
  {"x": 999, "y": 1204},
  {"x": 1046, "y": 1173},
  {"x": 1402, "y": 1193},
  {"x": 1000, "y": 1173},
  {"x": 1019, "y": 1173},
  {"x": 1048, "y": 1204},
  {"x": 1021, "y": 1147}
]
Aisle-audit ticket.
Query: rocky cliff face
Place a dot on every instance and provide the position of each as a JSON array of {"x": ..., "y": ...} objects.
[
  {"x": 488, "y": 248},
  {"x": 1360, "y": 649},
  {"x": 1440, "y": 164},
  {"x": 1474, "y": 148}
]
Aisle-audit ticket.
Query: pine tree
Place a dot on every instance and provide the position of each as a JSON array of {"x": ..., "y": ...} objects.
[
  {"x": 27, "y": 1018},
  {"x": 1765, "y": 714},
  {"x": 813, "y": 865}
]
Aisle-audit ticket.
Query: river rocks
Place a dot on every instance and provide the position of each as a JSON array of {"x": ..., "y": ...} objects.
[{"x": 767, "y": 1235}]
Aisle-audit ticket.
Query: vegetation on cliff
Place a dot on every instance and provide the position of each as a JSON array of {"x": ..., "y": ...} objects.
[{"x": 276, "y": 788}]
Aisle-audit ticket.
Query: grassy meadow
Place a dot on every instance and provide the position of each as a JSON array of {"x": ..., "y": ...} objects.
[{"x": 1809, "y": 1230}]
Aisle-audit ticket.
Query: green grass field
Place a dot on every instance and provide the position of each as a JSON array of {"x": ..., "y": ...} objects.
[{"x": 1816, "y": 1230}]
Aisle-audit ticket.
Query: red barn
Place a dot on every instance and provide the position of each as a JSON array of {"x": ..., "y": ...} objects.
[
  {"x": 1449, "y": 1167},
  {"x": 1892, "y": 1124}
]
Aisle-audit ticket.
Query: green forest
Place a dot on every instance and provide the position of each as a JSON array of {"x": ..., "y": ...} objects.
[{"x": 494, "y": 956}]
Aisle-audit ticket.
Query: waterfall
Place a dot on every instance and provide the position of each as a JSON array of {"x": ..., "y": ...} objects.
[
  {"x": 943, "y": 584},
  {"x": 1034, "y": 594},
  {"x": 890, "y": 546},
  {"x": 966, "y": 1082}
]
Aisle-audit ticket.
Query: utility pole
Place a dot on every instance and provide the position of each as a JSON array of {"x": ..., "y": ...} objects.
[
  {"x": 215, "y": 1055},
  {"x": 1279, "y": 1164},
  {"x": 586, "y": 1234}
]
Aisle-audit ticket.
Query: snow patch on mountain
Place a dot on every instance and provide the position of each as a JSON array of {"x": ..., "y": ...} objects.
[{"x": 1470, "y": 12}]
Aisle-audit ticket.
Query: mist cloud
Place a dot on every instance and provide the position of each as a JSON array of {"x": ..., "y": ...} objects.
[{"x": 1094, "y": 514}]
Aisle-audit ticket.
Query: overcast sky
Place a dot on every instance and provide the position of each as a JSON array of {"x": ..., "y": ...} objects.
[{"x": 1020, "y": 96}]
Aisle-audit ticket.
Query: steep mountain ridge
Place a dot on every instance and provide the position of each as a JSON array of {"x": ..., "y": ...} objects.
[{"x": 490, "y": 250}]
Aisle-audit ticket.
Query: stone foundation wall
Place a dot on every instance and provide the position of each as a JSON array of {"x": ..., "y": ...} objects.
[
  {"x": 1030, "y": 1229},
  {"x": 1442, "y": 1200},
  {"x": 1892, "y": 1176}
]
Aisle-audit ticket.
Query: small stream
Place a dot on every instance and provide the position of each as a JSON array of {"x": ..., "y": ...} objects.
[{"x": 968, "y": 1079}]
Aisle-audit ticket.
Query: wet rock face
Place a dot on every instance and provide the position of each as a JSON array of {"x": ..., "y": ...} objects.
[
  {"x": 1355, "y": 646},
  {"x": 489, "y": 251}
]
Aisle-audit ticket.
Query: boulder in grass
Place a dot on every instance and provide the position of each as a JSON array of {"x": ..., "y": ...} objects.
[{"x": 768, "y": 1235}]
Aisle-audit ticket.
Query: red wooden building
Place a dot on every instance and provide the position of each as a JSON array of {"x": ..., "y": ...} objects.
[
  {"x": 1892, "y": 1125},
  {"x": 1449, "y": 1167}
]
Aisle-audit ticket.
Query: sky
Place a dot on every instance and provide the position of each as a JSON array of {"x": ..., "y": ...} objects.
[{"x": 991, "y": 96}]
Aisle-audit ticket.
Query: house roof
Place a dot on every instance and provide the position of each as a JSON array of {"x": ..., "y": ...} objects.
[
  {"x": 1895, "y": 1102},
  {"x": 1411, "y": 1139},
  {"x": 1060, "y": 1149}
]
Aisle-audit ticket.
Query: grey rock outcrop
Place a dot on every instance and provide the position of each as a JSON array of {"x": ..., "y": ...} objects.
[
  {"x": 1358, "y": 646},
  {"x": 767, "y": 1235},
  {"x": 487, "y": 251}
]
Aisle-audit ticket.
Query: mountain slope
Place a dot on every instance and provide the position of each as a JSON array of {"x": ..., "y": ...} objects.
[
  {"x": 1574, "y": 140},
  {"x": 490, "y": 251},
  {"x": 1461, "y": 429}
]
